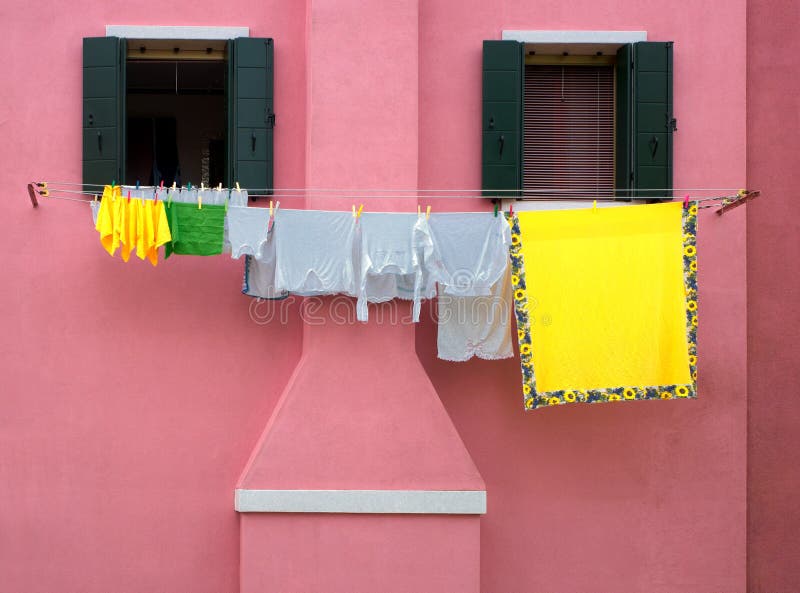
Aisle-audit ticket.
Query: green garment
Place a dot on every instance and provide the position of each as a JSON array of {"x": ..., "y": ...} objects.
[{"x": 195, "y": 231}]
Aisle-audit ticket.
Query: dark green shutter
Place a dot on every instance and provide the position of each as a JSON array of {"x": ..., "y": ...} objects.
[
  {"x": 250, "y": 112},
  {"x": 503, "y": 73},
  {"x": 652, "y": 119},
  {"x": 103, "y": 110},
  {"x": 623, "y": 159}
]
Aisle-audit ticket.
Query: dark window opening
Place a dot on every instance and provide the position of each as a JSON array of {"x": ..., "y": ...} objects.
[{"x": 176, "y": 121}]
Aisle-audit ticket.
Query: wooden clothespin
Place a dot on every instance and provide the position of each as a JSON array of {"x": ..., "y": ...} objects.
[
  {"x": 272, "y": 212},
  {"x": 428, "y": 212},
  {"x": 419, "y": 211}
]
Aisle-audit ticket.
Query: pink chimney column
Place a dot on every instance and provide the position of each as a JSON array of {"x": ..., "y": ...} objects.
[{"x": 360, "y": 481}]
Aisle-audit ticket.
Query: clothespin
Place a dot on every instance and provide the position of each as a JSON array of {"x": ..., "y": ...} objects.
[
  {"x": 189, "y": 185},
  {"x": 742, "y": 193},
  {"x": 495, "y": 209},
  {"x": 155, "y": 195},
  {"x": 199, "y": 201},
  {"x": 686, "y": 202},
  {"x": 202, "y": 186},
  {"x": 219, "y": 187},
  {"x": 113, "y": 183},
  {"x": 428, "y": 212},
  {"x": 360, "y": 210},
  {"x": 137, "y": 184},
  {"x": 272, "y": 213},
  {"x": 174, "y": 185},
  {"x": 129, "y": 196},
  {"x": 511, "y": 209},
  {"x": 354, "y": 210},
  {"x": 419, "y": 211},
  {"x": 237, "y": 187},
  {"x": 594, "y": 205}
]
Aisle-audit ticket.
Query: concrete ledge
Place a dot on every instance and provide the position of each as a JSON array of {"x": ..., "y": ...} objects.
[
  {"x": 434, "y": 502},
  {"x": 593, "y": 37},
  {"x": 154, "y": 32}
]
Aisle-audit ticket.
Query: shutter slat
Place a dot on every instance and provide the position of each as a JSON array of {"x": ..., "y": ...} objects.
[{"x": 568, "y": 122}]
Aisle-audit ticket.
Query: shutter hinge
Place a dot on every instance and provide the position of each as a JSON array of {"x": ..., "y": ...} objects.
[
  {"x": 271, "y": 119},
  {"x": 673, "y": 124}
]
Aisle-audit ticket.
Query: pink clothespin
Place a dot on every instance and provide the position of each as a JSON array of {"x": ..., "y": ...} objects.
[
  {"x": 686, "y": 202},
  {"x": 511, "y": 209}
]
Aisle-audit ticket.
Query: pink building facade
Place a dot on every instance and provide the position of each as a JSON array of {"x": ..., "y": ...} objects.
[{"x": 136, "y": 402}]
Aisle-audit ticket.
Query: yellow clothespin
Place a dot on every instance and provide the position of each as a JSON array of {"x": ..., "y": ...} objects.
[
  {"x": 237, "y": 186},
  {"x": 271, "y": 211},
  {"x": 199, "y": 202},
  {"x": 594, "y": 205},
  {"x": 354, "y": 210},
  {"x": 360, "y": 210},
  {"x": 428, "y": 212},
  {"x": 419, "y": 210}
]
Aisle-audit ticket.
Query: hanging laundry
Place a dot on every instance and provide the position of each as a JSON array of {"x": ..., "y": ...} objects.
[
  {"x": 390, "y": 263},
  {"x": 108, "y": 218},
  {"x": 606, "y": 303},
  {"x": 466, "y": 252},
  {"x": 259, "y": 275},
  {"x": 195, "y": 230},
  {"x": 476, "y": 325},
  {"x": 247, "y": 230},
  {"x": 314, "y": 252},
  {"x": 94, "y": 205}
]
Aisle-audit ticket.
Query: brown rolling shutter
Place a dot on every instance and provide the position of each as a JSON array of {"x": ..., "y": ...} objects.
[{"x": 568, "y": 124}]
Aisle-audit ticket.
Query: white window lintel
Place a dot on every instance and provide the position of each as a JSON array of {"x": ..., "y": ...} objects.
[
  {"x": 575, "y": 37},
  {"x": 156, "y": 32}
]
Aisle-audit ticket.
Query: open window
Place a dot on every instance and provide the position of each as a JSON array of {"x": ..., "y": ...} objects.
[
  {"x": 588, "y": 121},
  {"x": 178, "y": 111}
]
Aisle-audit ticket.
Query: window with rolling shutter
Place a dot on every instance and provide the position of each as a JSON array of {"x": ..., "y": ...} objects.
[
  {"x": 590, "y": 124},
  {"x": 568, "y": 130}
]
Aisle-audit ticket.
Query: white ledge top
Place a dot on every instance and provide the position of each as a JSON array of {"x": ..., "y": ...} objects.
[
  {"x": 153, "y": 32},
  {"x": 433, "y": 502},
  {"x": 595, "y": 37}
]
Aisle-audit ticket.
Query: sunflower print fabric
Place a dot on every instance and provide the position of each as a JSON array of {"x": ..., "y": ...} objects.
[{"x": 606, "y": 303}]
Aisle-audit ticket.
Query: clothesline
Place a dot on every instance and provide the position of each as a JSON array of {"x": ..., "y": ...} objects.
[
  {"x": 724, "y": 202},
  {"x": 503, "y": 192}
]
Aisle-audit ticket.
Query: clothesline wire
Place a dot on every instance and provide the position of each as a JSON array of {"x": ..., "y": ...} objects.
[
  {"x": 89, "y": 197},
  {"x": 510, "y": 193}
]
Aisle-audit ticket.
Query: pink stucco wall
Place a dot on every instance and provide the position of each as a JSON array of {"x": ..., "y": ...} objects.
[
  {"x": 773, "y": 250},
  {"x": 604, "y": 498},
  {"x": 132, "y": 398}
]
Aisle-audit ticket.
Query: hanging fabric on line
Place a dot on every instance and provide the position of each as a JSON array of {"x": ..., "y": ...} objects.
[
  {"x": 131, "y": 224},
  {"x": 606, "y": 303}
]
